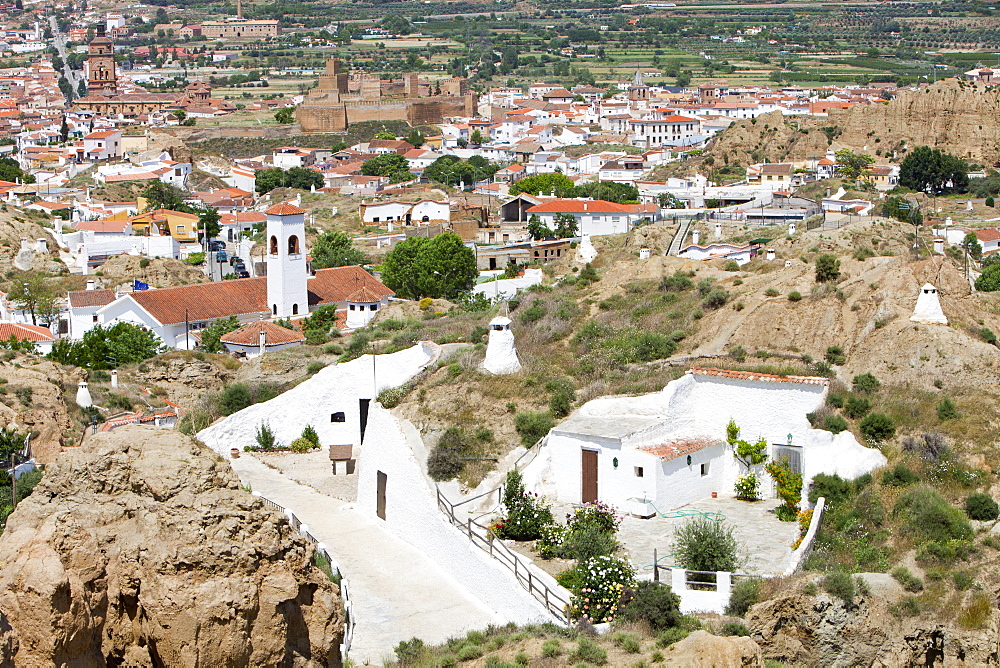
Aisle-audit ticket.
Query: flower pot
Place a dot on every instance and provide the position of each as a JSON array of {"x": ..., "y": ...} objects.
[
  {"x": 715, "y": 495},
  {"x": 234, "y": 453}
]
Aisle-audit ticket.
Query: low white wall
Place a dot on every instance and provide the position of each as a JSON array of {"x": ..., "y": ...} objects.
[
  {"x": 411, "y": 513},
  {"x": 508, "y": 287},
  {"x": 696, "y": 600},
  {"x": 800, "y": 555}
]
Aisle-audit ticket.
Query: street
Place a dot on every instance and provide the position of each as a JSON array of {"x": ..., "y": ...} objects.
[
  {"x": 216, "y": 270},
  {"x": 59, "y": 40}
]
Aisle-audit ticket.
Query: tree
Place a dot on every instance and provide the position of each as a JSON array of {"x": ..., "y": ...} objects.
[
  {"x": 385, "y": 136},
  {"x": 30, "y": 291},
  {"x": 438, "y": 267},
  {"x": 81, "y": 89},
  {"x": 301, "y": 178},
  {"x": 415, "y": 138},
  {"x": 211, "y": 335},
  {"x": 537, "y": 229},
  {"x": 208, "y": 223},
  {"x": 544, "y": 184},
  {"x": 989, "y": 280},
  {"x": 931, "y": 170},
  {"x": 285, "y": 115},
  {"x": 566, "y": 225},
  {"x": 12, "y": 172},
  {"x": 179, "y": 114},
  {"x": 702, "y": 544},
  {"x": 902, "y": 210},
  {"x": 669, "y": 201},
  {"x": 107, "y": 348},
  {"x": 827, "y": 268},
  {"x": 334, "y": 249},
  {"x": 392, "y": 165},
  {"x": 853, "y": 165},
  {"x": 477, "y": 137},
  {"x": 160, "y": 195},
  {"x": 971, "y": 245}
]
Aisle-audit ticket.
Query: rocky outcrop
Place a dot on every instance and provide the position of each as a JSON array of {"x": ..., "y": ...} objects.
[
  {"x": 140, "y": 549},
  {"x": 33, "y": 396},
  {"x": 702, "y": 649},
  {"x": 823, "y": 631},
  {"x": 157, "y": 272}
]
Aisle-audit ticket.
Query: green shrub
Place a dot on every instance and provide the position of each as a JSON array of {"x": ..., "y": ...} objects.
[
  {"x": 745, "y": 593},
  {"x": 988, "y": 336},
  {"x": 702, "y": 544},
  {"x": 119, "y": 401},
  {"x": 827, "y": 268},
  {"x": 551, "y": 648},
  {"x": 907, "y": 607},
  {"x": 977, "y": 613},
  {"x": 771, "y": 292},
  {"x": 586, "y": 542},
  {"x": 588, "y": 650},
  {"x": 447, "y": 459},
  {"x": 981, "y": 507},
  {"x": 715, "y": 299},
  {"x": 676, "y": 283},
  {"x": 841, "y": 585},
  {"x": 835, "y": 355},
  {"x": 962, "y": 580},
  {"x": 302, "y": 445},
  {"x": 310, "y": 435},
  {"x": 866, "y": 383},
  {"x": 534, "y": 313},
  {"x": 705, "y": 286},
  {"x": 731, "y": 265},
  {"x": 927, "y": 514},
  {"x": 587, "y": 275},
  {"x": 734, "y": 629},
  {"x": 237, "y": 396},
  {"x": 877, "y": 427},
  {"x": 314, "y": 368},
  {"x": 857, "y": 407},
  {"x": 946, "y": 409},
  {"x": 899, "y": 476},
  {"x": 265, "y": 438},
  {"x": 525, "y": 514},
  {"x": 835, "y": 424},
  {"x": 909, "y": 581},
  {"x": 469, "y": 652},
  {"x": 794, "y": 296},
  {"x": 652, "y": 602},
  {"x": 563, "y": 395},
  {"x": 629, "y": 643},
  {"x": 532, "y": 426},
  {"x": 833, "y": 488},
  {"x": 835, "y": 399},
  {"x": 671, "y": 636}
]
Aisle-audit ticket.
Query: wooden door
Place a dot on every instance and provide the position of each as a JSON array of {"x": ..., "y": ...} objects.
[
  {"x": 589, "y": 477},
  {"x": 380, "y": 495}
]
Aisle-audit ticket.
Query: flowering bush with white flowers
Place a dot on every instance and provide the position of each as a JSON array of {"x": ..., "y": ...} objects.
[
  {"x": 550, "y": 542},
  {"x": 599, "y": 516},
  {"x": 525, "y": 512},
  {"x": 598, "y": 588}
]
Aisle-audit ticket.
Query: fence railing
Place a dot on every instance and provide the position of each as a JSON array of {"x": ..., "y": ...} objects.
[
  {"x": 523, "y": 569},
  {"x": 345, "y": 593}
]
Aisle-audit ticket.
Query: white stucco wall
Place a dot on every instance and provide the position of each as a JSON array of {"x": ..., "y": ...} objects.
[
  {"x": 412, "y": 514},
  {"x": 334, "y": 389}
]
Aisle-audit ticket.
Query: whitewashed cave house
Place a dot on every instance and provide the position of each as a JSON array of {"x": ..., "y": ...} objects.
[{"x": 665, "y": 450}]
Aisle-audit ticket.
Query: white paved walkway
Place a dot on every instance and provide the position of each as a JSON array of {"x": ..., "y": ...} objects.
[{"x": 397, "y": 592}]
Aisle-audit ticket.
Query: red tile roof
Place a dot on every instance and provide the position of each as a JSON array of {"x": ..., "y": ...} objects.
[
  {"x": 88, "y": 298},
  {"x": 209, "y": 301},
  {"x": 990, "y": 234},
  {"x": 364, "y": 295},
  {"x": 24, "y": 332},
  {"x": 579, "y": 206},
  {"x": 274, "y": 335},
  {"x": 105, "y": 226},
  {"x": 680, "y": 447},
  {"x": 764, "y": 377},
  {"x": 284, "y": 209}
]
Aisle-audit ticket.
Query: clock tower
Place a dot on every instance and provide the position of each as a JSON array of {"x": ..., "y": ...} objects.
[{"x": 101, "y": 77}]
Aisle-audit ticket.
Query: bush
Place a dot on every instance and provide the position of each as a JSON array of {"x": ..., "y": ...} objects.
[
  {"x": 835, "y": 424},
  {"x": 469, "y": 652},
  {"x": 794, "y": 296},
  {"x": 314, "y": 368},
  {"x": 827, "y": 268},
  {"x": 734, "y": 629},
  {"x": 310, "y": 435},
  {"x": 946, "y": 409},
  {"x": 676, "y": 283},
  {"x": 747, "y": 487},
  {"x": 877, "y": 427},
  {"x": 835, "y": 355},
  {"x": 981, "y": 507},
  {"x": 866, "y": 383},
  {"x": 237, "y": 396},
  {"x": 302, "y": 445},
  {"x": 988, "y": 336},
  {"x": 745, "y": 593},
  {"x": 899, "y": 476},
  {"x": 927, "y": 514},
  {"x": 525, "y": 513},
  {"x": 977, "y": 613},
  {"x": 705, "y": 545},
  {"x": 410, "y": 651},
  {"x": 929, "y": 446},
  {"x": 671, "y": 636},
  {"x": 909, "y": 581},
  {"x": 587, "y": 275},
  {"x": 589, "y": 651},
  {"x": 587, "y": 542},
  {"x": 551, "y": 648},
  {"x": 715, "y": 299},
  {"x": 771, "y": 292},
  {"x": 731, "y": 265},
  {"x": 265, "y": 437},
  {"x": 563, "y": 395},
  {"x": 652, "y": 602},
  {"x": 532, "y": 426},
  {"x": 833, "y": 488},
  {"x": 857, "y": 407},
  {"x": 447, "y": 459},
  {"x": 962, "y": 580},
  {"x": 841, "y": 585},
  {"x": 534, "y": 313}
]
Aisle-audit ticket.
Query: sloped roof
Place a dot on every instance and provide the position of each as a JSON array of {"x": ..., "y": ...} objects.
[
  {"x": 24, "y": 332},
  {"x": 679, "y": 448},
  {"x": 274, "y": 334},
  {"x": 284, "y": 209},
  {"x": 364, "y": 295},
  {"x": 579, "y": 206},
  {"x": 88, "y": 298}
]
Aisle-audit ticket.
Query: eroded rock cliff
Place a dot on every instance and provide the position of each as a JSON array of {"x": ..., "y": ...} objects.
[{"x": 140, "y": 549}]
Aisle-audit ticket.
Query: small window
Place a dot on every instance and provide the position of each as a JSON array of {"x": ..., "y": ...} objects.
[
  {"x": 638, "y": 471},
  {"x": 338, "y": 417},
  {"x": 373, "y": 307},
  {"x": 274, "y": 309},
  {"x": 95, "y": 317},
  {"x": 351, "y": 307},
  {"x": 704, "y": 469},
  {"x": 295, "y": 309},
  {"x": 274, "y": 246}
]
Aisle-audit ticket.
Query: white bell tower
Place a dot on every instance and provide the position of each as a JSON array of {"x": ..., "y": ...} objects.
[{"x": 287, "y": 292}]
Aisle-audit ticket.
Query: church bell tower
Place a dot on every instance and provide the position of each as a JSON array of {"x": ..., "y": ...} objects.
[
  {"x": 287, "y": 277},
  {"x": 101, "y": 77}
]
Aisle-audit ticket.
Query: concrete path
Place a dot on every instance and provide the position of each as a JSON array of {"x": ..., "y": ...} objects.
[{"x": 397, "y": 592}]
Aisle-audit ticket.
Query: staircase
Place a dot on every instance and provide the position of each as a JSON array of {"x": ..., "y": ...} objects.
[{"x": 678, "y": 241}]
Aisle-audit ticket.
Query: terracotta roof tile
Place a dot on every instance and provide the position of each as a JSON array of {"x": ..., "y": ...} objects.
[
  {"x": 680, "y": 447},
  {"x": 24, "y": 332},
  {"x": 364, "y": 295},
  {"x": 763, "y": 377},
  {"x": 284, "y": 209},
  {"x": 579, "y": 206},
  {"x": 88, "y": 298},
  {"x": 249, "y": 335}
]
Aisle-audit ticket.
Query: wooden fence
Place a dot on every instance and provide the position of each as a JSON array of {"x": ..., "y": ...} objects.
[{"x": 523, "y": 569}]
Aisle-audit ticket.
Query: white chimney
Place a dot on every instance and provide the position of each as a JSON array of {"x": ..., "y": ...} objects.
[
  {"x": 83, "y": 399},
  {"x": 791, "y": 228},
  {"x": 114, "y": 379},
  {"x": 770, "y": 254},
  {"x": 643, "y": 253},
  {"x": 263, "y": 341},
  {"x": 939, "y": 246},
  {"x": 695, "y": 237},
  {"x": 24, "y": 244},
  {"x": 90, "y": 285},
  {"x": 42, "y": 246},
  {"x": 718, "y": 230}
]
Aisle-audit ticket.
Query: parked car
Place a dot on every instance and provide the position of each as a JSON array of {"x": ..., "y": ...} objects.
[
  {"x": 239, "y": 265},
  {"x": 234, "y": 259},
  {"x": 216, "y": 245},
  {"x": 242, "y": 273}
]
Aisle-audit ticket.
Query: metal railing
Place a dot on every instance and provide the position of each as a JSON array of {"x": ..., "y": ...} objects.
[
  {"x": 480, "y": 536},
  {"x": 320, "y": 547}
]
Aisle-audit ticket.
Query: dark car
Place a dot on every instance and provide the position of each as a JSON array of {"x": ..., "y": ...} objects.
[
  {"x": 234, "y": 259},
  {"x": 216, "y": 245},
  {"x": 239, "y": 265},
  {"x": 220, "y": 256},
  {"x": 242, "y": 273}
]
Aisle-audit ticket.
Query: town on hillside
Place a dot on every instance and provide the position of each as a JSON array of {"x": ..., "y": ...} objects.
[{"x": 499, "y": 334}]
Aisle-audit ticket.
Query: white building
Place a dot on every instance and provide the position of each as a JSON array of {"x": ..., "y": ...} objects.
[
  {"x": 669, "y": 447},
  {"x": 593, "y": 217},
  {"x": 102, "y": 145},
  {"x": 286, "y": 261},
  {"x": 256, "y": 338},
  {"x": 669, "y": 131},
  {"x": 82, "y": 306},
  {"x": 407, "y": 213}
]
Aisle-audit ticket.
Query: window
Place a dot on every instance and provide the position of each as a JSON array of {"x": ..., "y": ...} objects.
[
  {"x": 274, "y": 247},
  {"x": 274, "y": 309},
  {"x": 95, "y": 317},
  {"x": 373, "y": 307},
  {"x": 704, "y": 469},
  {"x": 293, "y": 245},
  {"x": 638, "y": 471},
  {"x": 180, "y": 229},
  {"x": 351, "y": 306},
  {"x": 338, "y": 417},
  {"x": 295, "y": 309}
]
